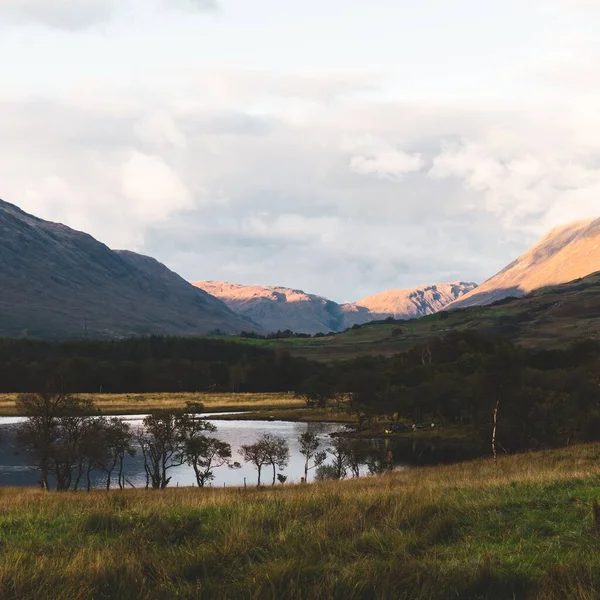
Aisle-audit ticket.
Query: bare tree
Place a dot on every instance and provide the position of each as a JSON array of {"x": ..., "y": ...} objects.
[{"x": 309, "y": 448}]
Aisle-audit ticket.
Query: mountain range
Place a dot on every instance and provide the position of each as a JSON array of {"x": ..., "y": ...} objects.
[
  {"x": 61, "y": 283},
  {"x": 280, "y": 308}
]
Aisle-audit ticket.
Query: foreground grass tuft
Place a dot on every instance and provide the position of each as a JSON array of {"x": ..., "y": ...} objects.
[{"x": 525, "y": 529}]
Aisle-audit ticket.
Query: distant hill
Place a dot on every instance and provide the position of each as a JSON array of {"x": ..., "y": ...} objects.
[
  {"x": 565, "y": 254},
  {"x": 280, "y": 309},
  {"x": 405, "y": 304},
  {"x": 58, "y": 283}
]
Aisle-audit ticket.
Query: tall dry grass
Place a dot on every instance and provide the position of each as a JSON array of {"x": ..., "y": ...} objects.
[{"x": 117, "y": 404}]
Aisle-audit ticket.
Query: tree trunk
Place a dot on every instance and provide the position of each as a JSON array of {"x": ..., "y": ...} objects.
[
  {"x": 121, "y": 473},
  {"x": 259, "y": 470},
  {"x": 273, "y": 474},
  {"x": 89, "y": 481},
  {"x": 494, "y": 433},
  {"x": 79, "y": 474}
]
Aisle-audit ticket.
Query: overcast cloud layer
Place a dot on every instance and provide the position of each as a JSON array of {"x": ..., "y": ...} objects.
[{"x": 342, "y": 150}]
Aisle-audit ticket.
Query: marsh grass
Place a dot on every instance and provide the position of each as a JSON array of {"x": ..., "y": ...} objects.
[
  {"x": 121, "y": 404},
  {"x": 523, "y": 529}
]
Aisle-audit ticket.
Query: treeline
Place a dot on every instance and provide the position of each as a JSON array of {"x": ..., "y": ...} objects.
[
  {"x": 543, "y": 398},
  {"x": 151, "y": 364}
]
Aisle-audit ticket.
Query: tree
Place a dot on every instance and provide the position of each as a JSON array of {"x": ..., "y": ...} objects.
[
  {"x": 162, "y": 445},
  {"x": 317, "y": 390},
  {"x": 118, "y": 442},
  {"x": 255, "y": 454},
  {"x": 338, "y": 469},
  {"x": 57, "y": 431},
  {"x": 277, "y": 452},
  {"x": 202, "y": 452},
  {"x": 309, "y": 446}
]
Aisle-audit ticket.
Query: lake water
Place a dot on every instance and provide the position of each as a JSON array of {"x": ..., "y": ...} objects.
[{"x": 17, "y": 468}]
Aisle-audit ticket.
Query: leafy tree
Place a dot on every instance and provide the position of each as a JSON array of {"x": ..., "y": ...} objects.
[
  {"x": 57, "y": 431},
  {"x": 255, "y": 454},
  {"x": 162, "y": 445},
  {"x": 118, "y": 440},
  {"x": 276, "y": 450},
  {"x": 309, "y": 448}
]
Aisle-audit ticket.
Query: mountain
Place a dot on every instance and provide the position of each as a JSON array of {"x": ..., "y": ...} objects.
[
  {"x": 279, "y": 308},
  {"x": 566, "y": 253},
  {"x": 548, "y": 318},
  {"x": 405, "y": 304},
  {"x": 61, "y": 283}
]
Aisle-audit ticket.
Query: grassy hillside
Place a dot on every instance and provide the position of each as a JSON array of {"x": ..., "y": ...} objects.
[
  {"x": 523, "y": 529},
  {"x": 548, "y": 318}
]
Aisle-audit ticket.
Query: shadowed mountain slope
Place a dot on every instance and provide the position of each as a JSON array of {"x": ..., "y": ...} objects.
[
  {"x": 59, "y": 283},
  {"x": 565, "y": 254}
]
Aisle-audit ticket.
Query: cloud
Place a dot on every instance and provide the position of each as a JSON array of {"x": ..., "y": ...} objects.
[
  {"x": 64, "y": 14},
  {"x": 333, "y": 181},
  {"x": 83, "y": 14},
  {"x": 384, "y": 160},
  {"x": 151, "y": 187}
]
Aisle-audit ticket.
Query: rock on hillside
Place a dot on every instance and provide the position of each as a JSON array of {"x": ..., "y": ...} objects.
[
  {"x": 566, "y": 253},
  {"x": 61, "y": 283},
  {"x": 405, "y": 304},
  {"x": 278, "y": 308}
]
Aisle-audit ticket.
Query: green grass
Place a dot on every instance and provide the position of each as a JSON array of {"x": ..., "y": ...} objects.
[
  {"x": 124, "y": 404},
  {"x": 523, "y": 529}
]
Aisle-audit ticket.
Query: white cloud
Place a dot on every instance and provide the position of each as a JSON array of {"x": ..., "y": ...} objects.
[
  {"x": 82, "y": 14},
  {"x": 152, "y": 188}
]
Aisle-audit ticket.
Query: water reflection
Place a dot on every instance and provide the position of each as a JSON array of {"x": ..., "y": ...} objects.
[{"x": 17, "y": 468}]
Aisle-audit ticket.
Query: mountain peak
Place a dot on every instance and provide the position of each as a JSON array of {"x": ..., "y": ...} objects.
[
  {"x": 565, "y": 253},
  {"x": 62, "y": 283}
]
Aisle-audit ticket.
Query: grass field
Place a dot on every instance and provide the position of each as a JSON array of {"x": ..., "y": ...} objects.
[
  {"x": 122, "y": 404},
  {"x": 524, "y": 529}
]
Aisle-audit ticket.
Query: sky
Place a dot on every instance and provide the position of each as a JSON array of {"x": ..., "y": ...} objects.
[{"x": 342, "y": 147}]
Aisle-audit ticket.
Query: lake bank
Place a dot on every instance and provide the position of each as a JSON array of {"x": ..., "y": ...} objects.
[{"x": 521, "y": 529}]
